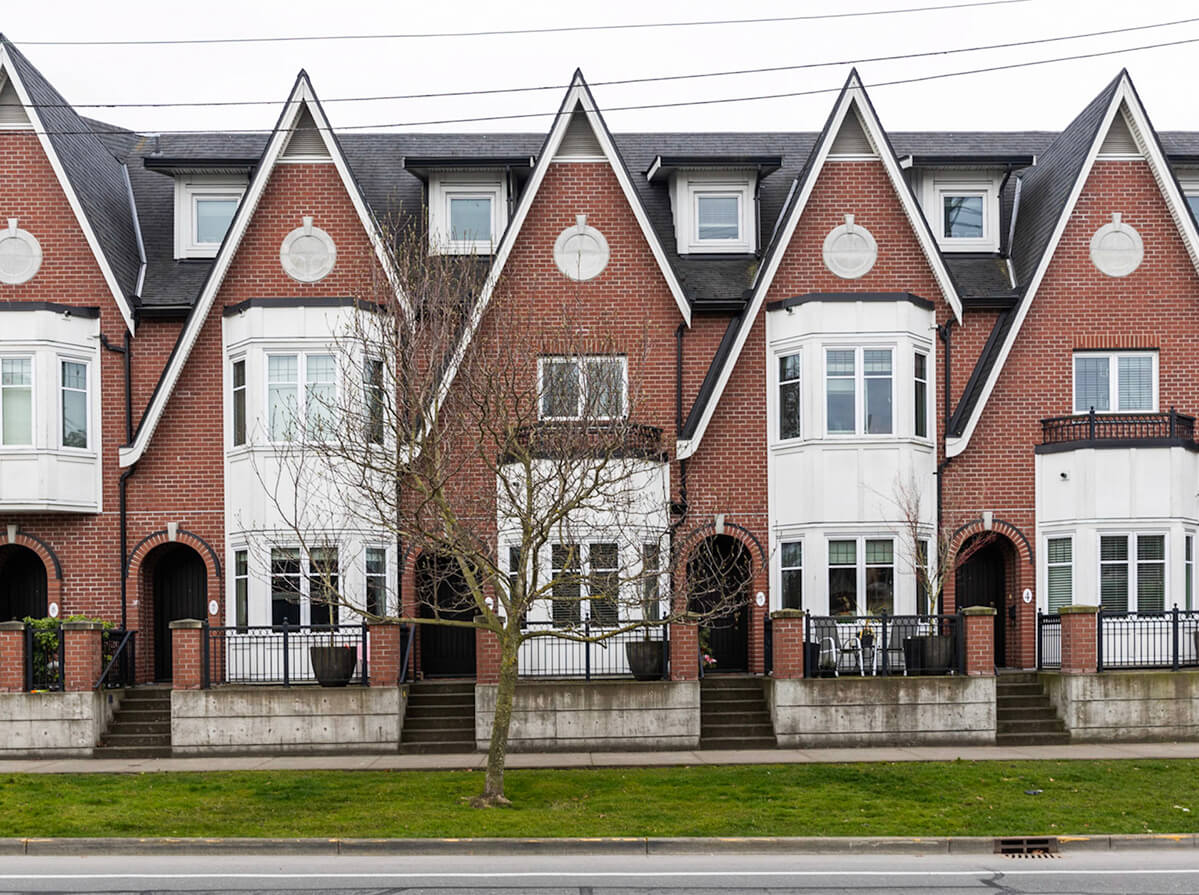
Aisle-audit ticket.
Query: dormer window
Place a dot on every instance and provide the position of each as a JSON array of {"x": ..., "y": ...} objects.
[
  {"x": 467, "y": 213},
  {"x": 962, "y": 207},
  {"x": 204, "y": 209},
  {"x": 714, "y": 212}
]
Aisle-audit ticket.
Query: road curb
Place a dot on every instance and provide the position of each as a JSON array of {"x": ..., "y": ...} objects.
[{"x": 897, "y": 845}]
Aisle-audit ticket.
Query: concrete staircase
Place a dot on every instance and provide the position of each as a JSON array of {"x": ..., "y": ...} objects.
[
  {"x": 1024, "y": 715},
  {"x": 141, "y": 726},
  {"x": 733, "y": 714},
  {"x": 440, "y": 717}
]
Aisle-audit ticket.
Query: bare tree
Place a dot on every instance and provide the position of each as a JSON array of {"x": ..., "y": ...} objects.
[{"x": 503, "y": 442}]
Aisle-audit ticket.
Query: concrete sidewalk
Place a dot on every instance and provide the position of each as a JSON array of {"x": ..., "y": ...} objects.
[{"x": 472, "y": 760}]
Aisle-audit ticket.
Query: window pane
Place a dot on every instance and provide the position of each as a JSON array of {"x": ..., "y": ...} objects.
[
  {"x": 880, "y": 590},
  {"x": 604, "y": 584},
  {"x": 282, "y": 404},
  {"x": 1151, "y": 587},
  {"x": 567, "y": 588},
  {"x": 605, "y": 387},
  {"x": 1151, "y": 547},
  {"x": 840, "y": 362},
  {"x": 792, "y": 557},
  {"x": 921, "y": 396},
  {"x": 651, "y": 591},
  {"x": 320, "y": 394},
  {"x": 842, "y": 553},
  {"x": 880, "y": 552},
  {"x": 241, "y": 578},
  {"x": 843, "y": 590},
  {"x": 470, "y": 219},
  {"x": 719, "y": 217},
  {"x": 239, "y": 402},
  {"x": 789, "y": 409},
  {"x": 1060, "y": 549},
  {"x": 16, "y": 400},
  {"x": 840, "y": 366},
  {"x": 1091, "y": 387},
  {"x": 1060, "y": 552},
  {"x": 963, "y": 217},
  {"x": 560, "y": 388},
  {"x": 375, "y": 397},
  {"x": 74, "y": 404},
  {"x": 1193, "y": 204},
  {"x": 1113, "y": 548},
  {"x": 376, "y": 580},
  {"x": 323, "y": 585},
  {"x": 1135, "y": 383},
  {"x": 878, "y": 406},
  {"x": 792, "y": 589},
  {"x": 285, "y": 586},
  {"x": 213, "y": 217}
]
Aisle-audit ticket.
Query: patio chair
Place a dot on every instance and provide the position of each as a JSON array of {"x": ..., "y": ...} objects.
[
  {"x": 828, "y": 635},
  {"x": 899, "y": 631}
]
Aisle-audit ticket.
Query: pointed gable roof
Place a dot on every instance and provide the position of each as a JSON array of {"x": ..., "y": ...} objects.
[
  {"x": 94, "y": 182},
  {"x": 1049, "y": 193},
  {"x": 302, "y": 116},
  {"x": 852, "y": 129}
]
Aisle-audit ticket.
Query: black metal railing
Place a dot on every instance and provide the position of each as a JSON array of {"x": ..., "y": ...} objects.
[
  {"x": 570, "y": 653},
  {"x": 1118, "y": 427},
  {"x": 620, "y": 438},
  {"x": 1167, "y": 639},
  {"x": 118, "y": 652},
  {"x": 44, "y": 658},
  {"x": 278, "y": 654},
  {"x": 1049, "y": 640},
  {"x": 768, "y": 644},
  {"x": 883, "y": 644}
]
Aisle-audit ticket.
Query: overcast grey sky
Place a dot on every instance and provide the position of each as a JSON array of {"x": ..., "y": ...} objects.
[{"x": 1040, "y": 97}]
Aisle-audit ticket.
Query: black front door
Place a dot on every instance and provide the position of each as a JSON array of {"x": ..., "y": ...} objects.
[
  {"x": 22, "y": 584},
  {"x": 180, "y": 591},
  {"x": 445, "y": 650},
  {"x": 719, "y": 576},
  {"x": 728, "y": 638},
  {"x": 980, "y": 582}
]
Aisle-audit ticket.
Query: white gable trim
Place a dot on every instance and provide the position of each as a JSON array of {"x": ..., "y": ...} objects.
[
  {"x": 1143, "y": 131},
  {"x": 302, "y": 96},
  {"x": 64, "y": 182},
  {"x": 854, "y": 96},
  {"x": 576, "y": 95}
]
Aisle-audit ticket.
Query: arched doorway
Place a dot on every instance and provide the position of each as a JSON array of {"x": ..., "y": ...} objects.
[
  {"x": 445, "y": 650},
  {"x": 178, "y": 582},
  {"x": 22, "y": 584},
  {"x": 719, "y": 578},
  {"x": 981, "y": 580}
]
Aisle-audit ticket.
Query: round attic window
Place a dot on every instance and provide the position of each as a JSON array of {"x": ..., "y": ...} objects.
[
  {"x": 849, "y": 250},
  {"x": 1116, "y": 248},
  {"x": 20, "y": 255},
  {"x": 581, "y": 252},
  {"x": 308, "y": 253}
]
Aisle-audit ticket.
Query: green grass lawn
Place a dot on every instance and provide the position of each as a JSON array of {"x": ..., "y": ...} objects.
[{"x": 903, "y": 799}]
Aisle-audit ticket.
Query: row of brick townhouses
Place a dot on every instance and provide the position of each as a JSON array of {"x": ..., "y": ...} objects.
[{"x": 1005, "y": 320}]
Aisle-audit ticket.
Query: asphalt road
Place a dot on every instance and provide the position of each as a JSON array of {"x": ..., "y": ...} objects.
[{"x": 1166, "y": 872}]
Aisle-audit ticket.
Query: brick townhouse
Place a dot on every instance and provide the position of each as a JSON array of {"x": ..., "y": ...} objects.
[{"x": 999, "y": 323}]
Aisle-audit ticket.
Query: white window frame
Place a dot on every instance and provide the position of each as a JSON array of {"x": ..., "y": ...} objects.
[
  {"x": 859, "y": 373},
  {"x": 783, "y": 569},
  {"x": 986, "y": 188},
  {"x": 244, "y": 388},
  {"x": 779, "y": 382},
  {"x": 860, "y": 567},
  {"x": 1188, "y": 569},
  {"x": 238, "y": 578},
  {"x": 87, "y": 399},
  {"x": 690, "y": 187},
  {"x": 1131, "y": 538},
  {"x": 1113, "y": 380},
  {"x": 443, "y": 188},
  {"x": 1190, "y": 189},
  {"x": 580, "y": 362},
  {"x": 301, "y": 389},
  {"x": 188, "y": 190},
  {"x": 33, "y": 413},
  {"x": 1049, "y": 566},
  {"x": 917, "y": 380}
]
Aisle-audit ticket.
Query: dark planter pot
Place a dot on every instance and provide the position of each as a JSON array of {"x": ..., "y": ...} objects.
[
  {"x": 913, "y": 655},
  {"x": 938, "y": 654},
  {"x": 645, "y": 659},
  {"x": 333, "y": 665}
]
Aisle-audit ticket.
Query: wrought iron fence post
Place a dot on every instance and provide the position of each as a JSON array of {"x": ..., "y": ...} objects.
[
  {"x": 1174, "y": 635},
  {"x": 62, "y": 660},
  {"x": 665, "y": 652},
  {"x": 807, "y": 633},
  {"x": 1091, "y": 424},
  {"x": 959, "y": 623},
  {"x": 587, "y": 648},
  {"x": 1099, "y": 640},
  {"x": 205, "y": 656},
  {"x": 28, "y": 658},
  {"x": 1173, "y": 421},
  {"x": 1040, "y": 633},
  {"x": 366, "y": 681},
  {"x": 882, "y": 638},
  {"x": 286, "y": 658}
]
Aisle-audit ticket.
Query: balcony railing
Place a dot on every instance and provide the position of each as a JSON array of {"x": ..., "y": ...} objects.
[
  {"x": 884, "y": 644},
  {"x": 620, "y": 438},
  {"x": 1169, "y": 427},
  {"x": 277, "y": 654}
]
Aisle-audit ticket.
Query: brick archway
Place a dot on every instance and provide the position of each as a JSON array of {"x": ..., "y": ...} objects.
[{"x": 49, "y": 559}]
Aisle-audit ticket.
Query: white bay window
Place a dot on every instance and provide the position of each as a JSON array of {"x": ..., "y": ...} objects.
[
  {"x": 16, "y": 401},
  {"x": 859, "y": 391}
]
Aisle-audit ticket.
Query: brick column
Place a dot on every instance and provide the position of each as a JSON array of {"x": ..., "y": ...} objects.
[
  {"x": 787, "y": 643},
  {"x": 385, "y": 644},
  {"x": 757, "y": 621},
  {"x": 187, "y": 670},
  {"x": 1079, "y": 643},
  {"x": 82, "y": 655},
  {"x": 980, "y": 640},
  {"x": 684, "y": 650},
  {"x": 12, "y": 657},
  {"x": 487, "y": 655}
]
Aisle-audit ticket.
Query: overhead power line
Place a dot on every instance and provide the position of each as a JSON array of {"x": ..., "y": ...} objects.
[
  {"x": 559, "y": 29},
  {"x": 671, "y": 105},
  {"x": 898, "y": 57}
]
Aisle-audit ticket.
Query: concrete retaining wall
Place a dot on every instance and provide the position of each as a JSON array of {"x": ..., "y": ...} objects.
[
  {"x": 314, "y": 720},
  {"x": 1127, "y": 705},
  {"x": 52, "y": 725},
  {"x": 877, "y": 711},
  {"x": 581, "y": 716}
]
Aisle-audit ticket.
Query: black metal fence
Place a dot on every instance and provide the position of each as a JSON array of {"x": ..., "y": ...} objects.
[
  {"x": 1147, "y": 639},
  {"x": 118, "y": 651},
  {"x": 283, "y": 654},
  {"x": 554, "y": 654},
  {"x": 1049, "y": 640},
  {"x": 44, "y": 658},
  {"x": 767, "y": 644},
  {"x": 884, "y": 645},
  {"x": 1118, "y": 427}
]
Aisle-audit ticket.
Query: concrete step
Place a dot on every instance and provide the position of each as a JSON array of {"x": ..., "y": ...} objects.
[
  {"x": 1032, "y": 739},
  {"x": 462, "y": 722},
  {"x": 136, "y": 739},
  {"x": 1018, "y": 689},
  {"x": 441, "y": 704},
  {"x": 1021, "y": 712},
  {"x": 743, "y": 717},
  {"x": 733, "y": 731},
  {"x": 1031, "y": 725},
  {"x": 437, "y": 748},
  {"x": 139, "y": 728},
  {"x": 131, "y": 752},
  {"x": 738, "y": 742},
  {"x": 1018, "y": 701},
  {"x": 450, "y": 686},
  {"x": 730, "y": 700},
  {"x": 437, "y": 734},
  {"x": 1017, "y": 677}
]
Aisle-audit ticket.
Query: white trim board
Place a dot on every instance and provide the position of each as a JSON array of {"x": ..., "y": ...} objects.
[
  {"x": 302, "y": 97},
  {"x": 1125, "y": 95},
  {"x": 64, "y": 182},
  {"x": 852, "y": 96}
]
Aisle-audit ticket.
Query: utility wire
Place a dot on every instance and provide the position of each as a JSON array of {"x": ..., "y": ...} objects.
[
  {"x": 669, "y": 105},
  {"x": 561, "y": 29},
  {"x": 625, "y": 81}
]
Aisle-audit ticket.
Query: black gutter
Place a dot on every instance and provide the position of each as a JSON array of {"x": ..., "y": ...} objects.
[
  {"x": 678, "y": 377},
  {"x": 123, "y": 484},
  {"x": 944, "y": 332}
]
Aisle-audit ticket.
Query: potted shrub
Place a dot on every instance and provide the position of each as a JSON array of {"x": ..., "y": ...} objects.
[
  {"x": 333, "y": 665},
  {"x": 645, "y": 658}
]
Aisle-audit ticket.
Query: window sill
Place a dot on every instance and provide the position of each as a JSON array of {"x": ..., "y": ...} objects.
[{"x": 797, "y": 445}]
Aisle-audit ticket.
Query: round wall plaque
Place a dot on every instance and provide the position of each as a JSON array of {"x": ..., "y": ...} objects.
[
  {"x": 849, "y": 250},
  {"x": 20, "y": 255},
  {"x": 581, "y": 252},
  {"x": 1116, "y": 248},
  {"x": 308, "y": 253}
]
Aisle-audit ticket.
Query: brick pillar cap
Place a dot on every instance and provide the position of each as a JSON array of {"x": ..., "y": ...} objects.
[
  {"x": 83, "y": 626},
  {"x": 184, "y": 624},
  {"x": 12, "y": 626},
  {"x": 978, "y": 610},
  {"x": 787, "y": 613},
  {"x": 384, "y": 623},
  {"x": 1077, "y": 610}
]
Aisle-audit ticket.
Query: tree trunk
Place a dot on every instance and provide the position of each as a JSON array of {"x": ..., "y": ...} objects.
[{"x": 497, "y": 752}]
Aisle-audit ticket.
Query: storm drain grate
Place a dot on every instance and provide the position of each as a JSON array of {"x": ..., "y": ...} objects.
[{"x": 1028, "y": 847}]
